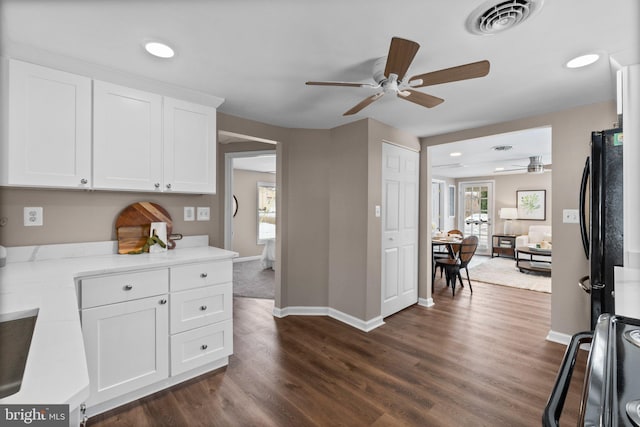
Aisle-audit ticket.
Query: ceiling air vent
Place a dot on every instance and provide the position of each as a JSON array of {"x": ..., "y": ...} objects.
[{"x": 492, "y": 17}]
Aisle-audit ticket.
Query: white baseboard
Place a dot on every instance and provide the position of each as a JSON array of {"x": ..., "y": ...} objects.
[
  {"x": 363, "y": 325},
  {"x": 558, "y": 337},
  {"x": 247, "y": 258},
  {"x": 426, "y": 302}
]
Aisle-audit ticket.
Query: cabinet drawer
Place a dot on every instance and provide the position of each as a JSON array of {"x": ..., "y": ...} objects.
[
  {"x": 199, "y": 307},
  {"x": 200, "y": 346},
  {"x": 113, "y": 288},
  {"x": 201, "y": 274}
]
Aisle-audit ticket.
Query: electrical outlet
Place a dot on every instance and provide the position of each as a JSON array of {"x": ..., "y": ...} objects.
[
  {"x": 203, "y": 213},
  {"x": 189, "y": 213},
  {"x": 570, "y": 216},
  {"x": 33, "y": 217}
]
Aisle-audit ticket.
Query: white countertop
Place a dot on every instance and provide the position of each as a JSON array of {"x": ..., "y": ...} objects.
[{"x": 56, "y": 368}]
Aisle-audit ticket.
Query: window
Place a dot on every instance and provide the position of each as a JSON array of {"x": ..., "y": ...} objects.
[
  {"x": 452, "y": 201},
  {"x": 266, "y": 211}
]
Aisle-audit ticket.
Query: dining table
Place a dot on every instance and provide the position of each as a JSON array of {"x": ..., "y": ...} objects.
[{"x": 439, "y": 241}]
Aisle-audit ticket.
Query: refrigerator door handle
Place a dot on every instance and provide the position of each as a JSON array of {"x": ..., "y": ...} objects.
[{"x": 583, "y": 198}]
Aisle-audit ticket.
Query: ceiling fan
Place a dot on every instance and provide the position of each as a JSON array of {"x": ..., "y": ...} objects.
[
  {"x": 535, "y": 166},
  {"x": 389, "y": 75}
]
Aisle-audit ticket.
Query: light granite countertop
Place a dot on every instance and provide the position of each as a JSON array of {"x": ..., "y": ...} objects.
[{"x": 43, "y": 278}]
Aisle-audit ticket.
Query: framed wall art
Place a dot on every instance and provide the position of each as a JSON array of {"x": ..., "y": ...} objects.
[{"x": 531, "y": 204}]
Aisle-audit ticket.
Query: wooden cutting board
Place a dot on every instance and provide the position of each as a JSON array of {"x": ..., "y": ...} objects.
[{"x": 134, "y": 223}]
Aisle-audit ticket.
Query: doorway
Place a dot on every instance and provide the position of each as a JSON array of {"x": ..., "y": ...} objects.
[{"x": 476, "y": 204}]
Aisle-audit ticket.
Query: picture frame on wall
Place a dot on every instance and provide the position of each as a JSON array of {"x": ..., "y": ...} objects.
[{"x": 531, "y": 204}]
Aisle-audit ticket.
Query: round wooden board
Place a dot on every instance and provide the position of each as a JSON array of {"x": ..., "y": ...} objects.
[{"x": 134, "y": 222}]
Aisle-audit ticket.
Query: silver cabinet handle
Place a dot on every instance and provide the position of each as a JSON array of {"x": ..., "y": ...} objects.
[
  {"x": 83, "y": 181},
  {"x": 127, "y": 287},
  {"x": 203, "y": 275},
  {"x": 203, "y": 307},
  {"x": 157, "y": 185},
  {"x": 163, "y": 301},
  {"x": 168, "y": 186},
  {"x": 204, "y": 346}
]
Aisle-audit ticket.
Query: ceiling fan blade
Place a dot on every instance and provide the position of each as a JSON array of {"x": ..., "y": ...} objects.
[
  {"x": 453, "y": 74},
  {"x": 420, "y": 98},
  {"x": 365, "y": 102},
  {"x": 347, "y": 84},
  {"x": 401, "y": 54}
]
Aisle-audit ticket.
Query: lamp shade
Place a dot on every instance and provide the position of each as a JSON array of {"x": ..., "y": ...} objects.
[{"x": 508, "y": 213}]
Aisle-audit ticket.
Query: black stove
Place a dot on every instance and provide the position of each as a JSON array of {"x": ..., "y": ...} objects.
[{"x": 611, "y": 393}]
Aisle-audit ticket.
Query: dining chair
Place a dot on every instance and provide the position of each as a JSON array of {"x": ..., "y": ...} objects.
[
  {"x": 451, "y": 251},
  {"x": 452, "y": 267}
]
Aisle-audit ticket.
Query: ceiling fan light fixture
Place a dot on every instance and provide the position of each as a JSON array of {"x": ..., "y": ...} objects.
[
  {"x": 160, "y": 50},
  {"x": 535, "y": 165},
  {"x": 582, "y": 60}
]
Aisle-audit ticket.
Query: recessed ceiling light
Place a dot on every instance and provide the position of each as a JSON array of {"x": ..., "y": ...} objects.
[
  {"x": 499, "y": 169},
  {"x": 583, "y": 61},
  {"x": 158, "y": 49},
  {"x": 455, "y": 154}
]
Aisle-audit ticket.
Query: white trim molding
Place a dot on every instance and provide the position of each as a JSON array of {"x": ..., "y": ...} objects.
[
  {"x": 426, "y": 302},
  {"x": 558, "y": 337},
  {"x": 363, "y": 325},
  {"x": 247, "y": 258}
]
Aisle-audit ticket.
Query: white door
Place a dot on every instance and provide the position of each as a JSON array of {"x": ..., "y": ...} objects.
[
  {"x": 476, "y": 201},
  {"x": 49, "y": 127},
  {"x": 126, "y": 345},
  {"x": 127, "y": 138},
  {"x": 400, "y": 169},
  {"x": 189, "y": 147}
]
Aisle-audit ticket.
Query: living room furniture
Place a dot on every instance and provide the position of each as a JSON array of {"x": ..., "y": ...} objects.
[
  {"x": 541, "y": 263},
  {"x": 536, "y": 234},
  {"x": 453, "y": 266},
  {"x": 508, "y": 214},
  {"x": 503, "y": 244}
]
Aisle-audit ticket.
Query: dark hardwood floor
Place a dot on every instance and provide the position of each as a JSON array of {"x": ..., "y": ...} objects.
[{"x": 477, "y": 359}]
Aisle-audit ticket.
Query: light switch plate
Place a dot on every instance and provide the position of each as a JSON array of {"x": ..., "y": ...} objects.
[
  {"x": 203, "y": 213},
  {"x": 33, "y": 217},
  {"x": 189, "y": 213}
]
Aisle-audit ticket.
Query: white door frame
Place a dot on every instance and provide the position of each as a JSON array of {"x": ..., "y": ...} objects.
[{"x": 490, "y": 208}]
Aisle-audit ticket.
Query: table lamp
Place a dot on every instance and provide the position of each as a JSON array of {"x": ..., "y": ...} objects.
[{"x": 508, "y": 214}]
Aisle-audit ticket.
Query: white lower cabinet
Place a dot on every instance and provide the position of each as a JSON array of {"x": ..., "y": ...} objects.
[
  {"x": 150, "y": 329},
  {"x": 126, "y": 346}
]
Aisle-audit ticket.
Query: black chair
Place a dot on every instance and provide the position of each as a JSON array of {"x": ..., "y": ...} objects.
[
  {"x": 452, "y": 267},
  {"x": 451, "y": 251}
]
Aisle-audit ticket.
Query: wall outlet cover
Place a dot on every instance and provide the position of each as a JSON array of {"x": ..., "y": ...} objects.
[
  {"x": 189, "y": 213},
  {"x": 33, "y": 217},
  {"x": 203, "y": 213}
]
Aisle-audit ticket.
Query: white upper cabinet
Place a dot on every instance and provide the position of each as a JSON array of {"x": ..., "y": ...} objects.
[
  {"x": 189, "y": 147},
  {"x": 127, "y": 138},
  {"x": 49, "y": 138}
]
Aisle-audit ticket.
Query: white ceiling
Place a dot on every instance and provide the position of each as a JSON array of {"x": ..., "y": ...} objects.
[
  {"x": 258, "y": 54},
  {"x": 262, "y": 163},
  {"x": 478, "y": 158}
]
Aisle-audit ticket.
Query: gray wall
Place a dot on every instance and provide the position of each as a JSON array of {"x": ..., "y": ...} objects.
[
  {"x": 245, "y": 223},
  {"x": 571, "y": 135}
]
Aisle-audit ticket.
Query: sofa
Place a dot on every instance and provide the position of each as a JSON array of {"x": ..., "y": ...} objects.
[{"x": 536, "y": 234}]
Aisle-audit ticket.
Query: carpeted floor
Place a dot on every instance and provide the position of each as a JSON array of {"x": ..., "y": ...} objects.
[
  {"x": 251, "y": 280},
  {"x": 503, "y": 271}
]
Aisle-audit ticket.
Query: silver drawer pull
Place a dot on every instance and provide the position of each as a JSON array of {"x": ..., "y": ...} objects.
[
  {"x": 204, "y": 346},
  {"x": 83, "y": 181},
  {"x": 128, "y": 287},
  {"x": 163, "y": 301},
  {"x": 203, "y": 275},
  {"x": 203, "y": 307}
]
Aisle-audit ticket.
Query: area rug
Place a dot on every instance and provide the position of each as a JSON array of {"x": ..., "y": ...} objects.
[
  {"x": 503, "y": 271},
  {"x": 252, "y": 281}
]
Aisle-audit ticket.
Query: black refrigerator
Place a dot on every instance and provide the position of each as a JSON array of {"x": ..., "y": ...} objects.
[{"x": 601, "y": 219}]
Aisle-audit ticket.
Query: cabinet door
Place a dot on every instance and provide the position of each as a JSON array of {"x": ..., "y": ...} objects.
[
  {"x": 126, "y": 346},
  {"x": 49, "y": 128},
  {"x": 127, "y": 138},
  {"x": 189, "y": 147}
]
